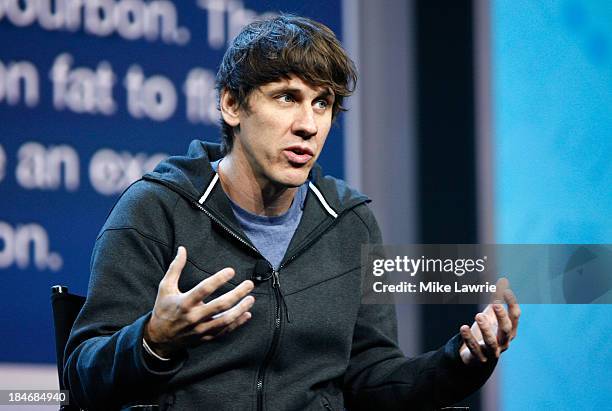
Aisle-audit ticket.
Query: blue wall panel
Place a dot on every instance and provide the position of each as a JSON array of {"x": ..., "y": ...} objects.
[{"x": 552, "y": 96}]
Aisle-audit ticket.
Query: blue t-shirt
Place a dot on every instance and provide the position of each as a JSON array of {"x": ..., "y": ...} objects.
[{"x": 271, "y": 235}]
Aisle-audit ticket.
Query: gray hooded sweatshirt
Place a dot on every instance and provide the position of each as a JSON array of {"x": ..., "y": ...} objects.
[{"x": 310, "y": 345}]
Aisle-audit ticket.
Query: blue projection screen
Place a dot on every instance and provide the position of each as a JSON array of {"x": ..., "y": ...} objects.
[
  {"x": 552, "y": 114},
  {"x": 93, "y": 94}
]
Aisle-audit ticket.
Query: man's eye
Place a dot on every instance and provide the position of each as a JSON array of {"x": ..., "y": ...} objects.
[
  {"x": 322, "y": 104},
  {"x": 285, "y": 98}
]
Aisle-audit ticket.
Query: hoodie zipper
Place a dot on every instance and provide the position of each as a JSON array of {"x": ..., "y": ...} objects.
[
  {"x": 225, "y": 228},
  {"x": 277, "y": 309},
  {"x": 261, "y": 374},
  {"x": 278, "y": 297}
]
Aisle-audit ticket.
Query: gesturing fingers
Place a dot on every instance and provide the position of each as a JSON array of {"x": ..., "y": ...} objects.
[
  {"x": 170, "y": 281},
  {"x": 472, "y": 343},
  {"x": 496, "y": 326},
  {"x": 223, "y": 314},
  {"x": 208, "y": 286},
  {"x": 183, "y": 319},
  {"x": 488, "y": 334},
  {"x": 241, "y": 320},
  {"x": 226, "y": 321},
  {"x": 504, "y": 330},
  {"x": 501, "y": 285},
  {"x": 514, "y": 311},
  {"x": 225, "y": 301},
  {"x": 229, "y": 328}
]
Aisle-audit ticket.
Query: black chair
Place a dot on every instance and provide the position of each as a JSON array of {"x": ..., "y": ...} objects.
[{"x": 65, "y": 307}]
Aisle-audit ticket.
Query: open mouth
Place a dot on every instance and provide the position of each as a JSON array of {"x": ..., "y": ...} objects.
[{"x": 298, "y": 155}]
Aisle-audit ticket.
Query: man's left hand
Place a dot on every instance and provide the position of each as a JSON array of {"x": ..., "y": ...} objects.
[{"x": 493, "y": 330}]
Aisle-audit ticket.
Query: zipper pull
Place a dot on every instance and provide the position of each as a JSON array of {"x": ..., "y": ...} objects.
[
  {"x": 276, "y": 284},
  {"x": 275, "y": 280}
]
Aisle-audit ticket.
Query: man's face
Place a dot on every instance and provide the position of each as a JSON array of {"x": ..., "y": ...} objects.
[{"x": 284, "y": 130}]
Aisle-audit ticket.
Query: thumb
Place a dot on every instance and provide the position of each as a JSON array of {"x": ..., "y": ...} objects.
[{"x": 170, "y": 280}]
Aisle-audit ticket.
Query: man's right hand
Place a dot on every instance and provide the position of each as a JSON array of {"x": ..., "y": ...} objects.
[{"x": 182, "y": 320}]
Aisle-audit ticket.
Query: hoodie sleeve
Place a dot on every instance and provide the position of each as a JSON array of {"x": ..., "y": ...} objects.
[
  {"x": 105, "y": 364},
  {"x": 379, "y": 376}
]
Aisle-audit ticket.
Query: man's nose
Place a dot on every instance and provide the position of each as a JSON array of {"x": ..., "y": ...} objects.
[{"x": 304, "y": 124}]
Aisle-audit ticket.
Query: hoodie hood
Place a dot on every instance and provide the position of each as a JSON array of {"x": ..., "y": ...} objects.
[{"x": 191, "y": 175}]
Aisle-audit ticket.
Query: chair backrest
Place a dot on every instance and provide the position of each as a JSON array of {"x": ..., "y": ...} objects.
[{"x": 65, "y": 307}]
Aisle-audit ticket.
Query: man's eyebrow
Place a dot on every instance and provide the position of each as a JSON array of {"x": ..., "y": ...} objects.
[
  {"x": 296, "y": 91},
  {"x": 289, "y": 90},
  {"x": 285, "y": 89},
  {"x": 326, "y": 94}
]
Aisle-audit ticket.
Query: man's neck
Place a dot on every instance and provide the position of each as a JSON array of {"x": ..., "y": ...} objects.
[{"x": 241, "y": 185}]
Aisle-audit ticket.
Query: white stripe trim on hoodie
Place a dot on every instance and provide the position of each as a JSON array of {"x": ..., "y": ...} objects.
[
  {"x": 314, "y": 189},
  {"x": 209, "y": 189},
  {"x": 326, "y": 206}
]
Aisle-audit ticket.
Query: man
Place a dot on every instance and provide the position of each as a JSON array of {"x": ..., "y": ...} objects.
[{"x": 260, "y": 307}]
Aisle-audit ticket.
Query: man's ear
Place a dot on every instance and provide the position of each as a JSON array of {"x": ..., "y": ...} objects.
[{"x": 229, "y": 108}]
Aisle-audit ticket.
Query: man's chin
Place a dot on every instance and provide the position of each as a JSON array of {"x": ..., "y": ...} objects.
[
  {"x": 295, "y": 178},
  {"x": 294, "y": 183}
]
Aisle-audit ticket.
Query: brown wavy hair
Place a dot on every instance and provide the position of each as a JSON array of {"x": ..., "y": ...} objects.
[{"x": 271, "y": 49}]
